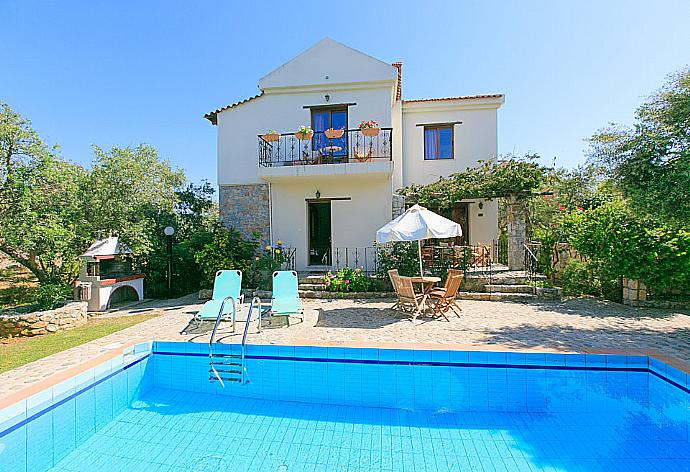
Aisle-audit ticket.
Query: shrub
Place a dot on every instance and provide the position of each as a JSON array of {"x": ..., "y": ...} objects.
[
  {"x": 49, "y": 294},
  {"x": 403, "y": 256},
  {"x": 347, "y": 280},
  {"x": 590, "y": 278},
  {"x": 225, "y": 250},
  {"x": 621, "y": 243},
  {"x": 272, "y": 258}
]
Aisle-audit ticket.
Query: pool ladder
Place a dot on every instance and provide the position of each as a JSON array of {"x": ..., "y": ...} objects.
[{"x": 230, "y": 367}]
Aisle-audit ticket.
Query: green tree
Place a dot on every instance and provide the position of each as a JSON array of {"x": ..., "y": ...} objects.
[
  {"x": 194, "y": 217},
  {"x": 650, "y": 162},
  {"x": 41, "y": 215},
  {"x": 128, "y": 190}
]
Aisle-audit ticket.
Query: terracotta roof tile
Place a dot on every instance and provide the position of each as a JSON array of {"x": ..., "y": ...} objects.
[
  {"x": 462, "y": 97},
  {"x": 212, "y": 116},
  {"x": 398, "y": 65}
]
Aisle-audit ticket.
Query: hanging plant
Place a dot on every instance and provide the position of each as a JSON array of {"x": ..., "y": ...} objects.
[
  {"x": 271, "y": 135},
  {"x": 369, "y": 128},
  {"x": 304, "y": 132},
  {"x": 334, "y": 133}
]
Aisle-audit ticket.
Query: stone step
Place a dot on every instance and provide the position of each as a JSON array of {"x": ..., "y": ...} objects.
[
  {"x": 509, "y": 288},
  {"x": 350, "y": 295},
  {"x": 310, "y": 279},
  {"x": 306, "y": 286},
  {"x": 497, "y": 296}
]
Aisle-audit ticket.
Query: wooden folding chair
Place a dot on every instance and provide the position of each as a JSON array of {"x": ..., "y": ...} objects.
[
  {"x": 393, "y": 275},
  {"x": 444, "y": 299},
  {"x": 408, "y": 300}
]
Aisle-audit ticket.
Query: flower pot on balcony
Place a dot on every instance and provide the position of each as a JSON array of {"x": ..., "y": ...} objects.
[
  {"x": 271, "y": 137},
  {"x": 334, "y": 133},
  {"x": 370, "y": 131},
  {"x": 304, "y": 136}
]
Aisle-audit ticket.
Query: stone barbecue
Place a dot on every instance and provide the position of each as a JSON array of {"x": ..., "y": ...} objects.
[{"x": 108, "y": 277}]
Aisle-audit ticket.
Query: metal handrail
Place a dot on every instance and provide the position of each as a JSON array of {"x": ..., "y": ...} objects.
[
  {"x": 244, "y": 335},
  {"x": 531, "y": 262},
  {"x": 349, "y": 130},
  {"x": 213, "y": 333},
  {"x": 353, "y": 146},
  {"x": 220, "y": 315}
]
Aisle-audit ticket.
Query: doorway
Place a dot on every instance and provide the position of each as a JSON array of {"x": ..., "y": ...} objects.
[
  {"x": 323, "y": 119},
  {"x": 319, "y": 233},
  {"x": 461, "y": 215}
]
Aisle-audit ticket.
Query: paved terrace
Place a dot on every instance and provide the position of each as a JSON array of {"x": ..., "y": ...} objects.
[{"x": 581, "y": 325}]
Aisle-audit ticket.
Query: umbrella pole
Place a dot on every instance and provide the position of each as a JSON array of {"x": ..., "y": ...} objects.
[{"x": 419, "y": 249}]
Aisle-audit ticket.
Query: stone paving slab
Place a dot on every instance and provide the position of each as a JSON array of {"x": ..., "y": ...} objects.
[{"x": 581, "y": 325}]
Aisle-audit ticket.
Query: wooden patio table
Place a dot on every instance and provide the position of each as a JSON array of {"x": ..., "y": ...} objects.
[{"x": 427, "y": 282}]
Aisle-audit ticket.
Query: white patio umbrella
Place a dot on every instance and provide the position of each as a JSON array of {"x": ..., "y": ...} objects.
[{"x": 415, "y": 224}]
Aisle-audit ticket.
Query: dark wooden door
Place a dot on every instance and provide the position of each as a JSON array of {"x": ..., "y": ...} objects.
[
  {"x": 320, "y": 233},
  {"x": 461, "y": 215}
]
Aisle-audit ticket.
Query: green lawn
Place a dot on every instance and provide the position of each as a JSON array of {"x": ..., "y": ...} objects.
[{"x": 19, "y": 351}]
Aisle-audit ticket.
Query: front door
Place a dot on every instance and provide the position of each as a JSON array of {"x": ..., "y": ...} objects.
[
  {"x": 461, "y": 215},
  {"x": 319, "y": 233}
]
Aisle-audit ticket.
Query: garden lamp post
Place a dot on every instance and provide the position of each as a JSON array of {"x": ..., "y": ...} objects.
[{"x": 169, "y": 231}]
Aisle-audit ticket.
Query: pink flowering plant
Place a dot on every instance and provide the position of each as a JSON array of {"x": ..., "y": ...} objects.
[
  {"x": 347, "y": 280},
  {"x": 368, "y": 124}
]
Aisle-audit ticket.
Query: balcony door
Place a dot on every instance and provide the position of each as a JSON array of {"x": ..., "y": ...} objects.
[
  {"x": 319, "y": 232},
  {"x": 323, "y": 119}
]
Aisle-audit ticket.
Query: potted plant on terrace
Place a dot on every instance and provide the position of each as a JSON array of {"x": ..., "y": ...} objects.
[
  {"x": 334, "y": 133},
  {"x": 271, "y": 135},
  {"x": 304, "y": 132},
  {"x": 369, "y": 128}
]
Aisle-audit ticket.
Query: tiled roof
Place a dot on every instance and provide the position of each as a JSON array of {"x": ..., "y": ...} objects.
[
  {"x": 398, "y": 65},
  {"x": 212, "y": 116},
  {"x": 462, "y": 97}
]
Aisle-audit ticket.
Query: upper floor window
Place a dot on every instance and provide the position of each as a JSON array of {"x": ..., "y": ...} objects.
[{"x": 438, "y": 142}]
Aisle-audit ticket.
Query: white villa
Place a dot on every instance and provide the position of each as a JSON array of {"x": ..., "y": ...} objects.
[{"x": 325, "y": 195}]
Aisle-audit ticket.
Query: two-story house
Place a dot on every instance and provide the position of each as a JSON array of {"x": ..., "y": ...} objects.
[{"x": 328, "y": 191}]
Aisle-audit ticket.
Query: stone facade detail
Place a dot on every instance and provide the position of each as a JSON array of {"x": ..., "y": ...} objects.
[
  {"x": 13, "y": 324},
  {"x": 398, "y": 206},
  {"x": 246, "y": 208},
  {"x": 516, "y": 217},
  {"x": 634, "y": 292}
]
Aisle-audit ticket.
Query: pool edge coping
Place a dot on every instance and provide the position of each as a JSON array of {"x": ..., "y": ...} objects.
[{"x": 58, "y": 377}]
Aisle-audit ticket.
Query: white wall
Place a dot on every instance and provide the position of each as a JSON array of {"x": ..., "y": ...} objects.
[
  {"x": 329, "y": 62},
  {"x": 475, "y": 138},
  {"x": 238, "y": 155},
  {"x": 353, "y": 223},
  {"x": 483, "y": 229}
]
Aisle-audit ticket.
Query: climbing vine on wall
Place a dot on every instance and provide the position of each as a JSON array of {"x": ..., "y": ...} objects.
[{"x": 514, "y": 176}]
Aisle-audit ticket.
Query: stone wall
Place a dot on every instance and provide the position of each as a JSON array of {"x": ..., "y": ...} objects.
[
  {"x": 246, "y": 208},
  {"x": 398, "y": 206},
  {"x": 516, "y": 218},
  {"x": 635, "y": 293},
  {"x": 14, "y": 324}
]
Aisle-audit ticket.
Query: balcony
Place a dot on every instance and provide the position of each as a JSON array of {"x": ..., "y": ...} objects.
[{"x": 353, "y": 154}]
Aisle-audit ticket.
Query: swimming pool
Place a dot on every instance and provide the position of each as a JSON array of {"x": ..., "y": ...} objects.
[{"x": 329, "y": 409}]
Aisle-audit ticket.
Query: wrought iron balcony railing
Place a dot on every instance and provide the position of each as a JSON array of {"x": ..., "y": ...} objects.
[{"x": 352, "y": 146}]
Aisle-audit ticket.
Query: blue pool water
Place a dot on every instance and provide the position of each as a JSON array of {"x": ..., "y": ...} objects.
[{"x": 332, "y": 409}]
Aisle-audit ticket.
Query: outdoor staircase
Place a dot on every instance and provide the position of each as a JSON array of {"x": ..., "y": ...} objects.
[
  {"x": 310, "y": 284},
  {"x": 500, "y": 286}
]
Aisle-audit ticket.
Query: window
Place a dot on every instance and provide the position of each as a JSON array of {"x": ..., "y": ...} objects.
[{"x": 438, "y": 142}]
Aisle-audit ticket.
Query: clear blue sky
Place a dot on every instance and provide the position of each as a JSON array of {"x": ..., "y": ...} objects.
[{"x": 120, "y": 73}]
